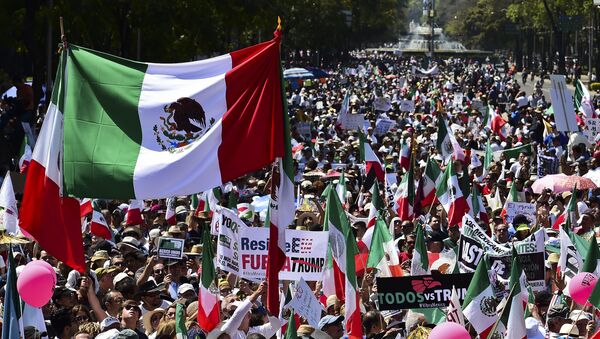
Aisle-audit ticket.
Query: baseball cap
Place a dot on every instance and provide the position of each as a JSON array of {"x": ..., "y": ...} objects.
[
  {"x": 184, "y": 288},
  {"x": 108, "y": 322},
  {"x": 330, "y": 320},
  {"x": 120, "y": 277}
]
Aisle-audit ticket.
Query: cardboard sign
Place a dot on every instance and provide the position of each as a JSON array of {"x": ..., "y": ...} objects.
[
  {"x": 382, "y": 104},
  {"x": 229, "y": 229},
  {"x": 515, "y": 208},
  {"x": 425, "y": 291},
  {"x": 562, "y": 103},
  {"x": 407, "y": 106},
  {"x": 352, "y": 121},
  {"x": 383, "y": 125},
  {"x": 592, "y": 128},
  {"x": 306, "y": 304},
  {"x": 305, "y": 254},
  {"x": 304, "y": 130},
  {"x": 170, "y": 248}
]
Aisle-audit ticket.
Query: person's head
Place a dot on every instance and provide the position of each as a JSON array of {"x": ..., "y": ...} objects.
[
  {"x": 49, "y": 258},
  {"x": 166, "y": 330},
  {"x": 397, "y": 224},
  {"x": 152, "y": 320},
  {"x": 454, "y": 232},
  {"x": 118, "y": 261},
  {"x": 255, "y": 336},
  {"x": 149, "y": 293},
  {"x": 171, "y": 312},
  {"x": 407, "y": 227},
  {"x": 435, "y": 223},
  {"x": 501, "y": 233},
  {"x": 158, "y": 273},
  {"x": 373, "y": 322},
  {"x": 332, "y": 325},
  {"x": 125, "y": 284},
  {"x": 62, "y": 323},
  {"x": 112, "y": 300},
  {"x": 80, "y": 314},
  {"x": 187, "y": 292},
  {"x": 410, "y": 242},
  {"x": 64, "y": 297},
  {"x": 130, "y": 314}
]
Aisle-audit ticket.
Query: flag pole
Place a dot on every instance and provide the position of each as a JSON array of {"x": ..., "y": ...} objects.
[{"x": 63, "y": 36}]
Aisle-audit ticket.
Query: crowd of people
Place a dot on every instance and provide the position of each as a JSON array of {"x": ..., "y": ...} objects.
[{"x": 131, "y": 292}]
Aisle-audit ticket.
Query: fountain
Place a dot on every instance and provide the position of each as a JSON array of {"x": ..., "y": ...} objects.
[{"x": 418, "y": 40}]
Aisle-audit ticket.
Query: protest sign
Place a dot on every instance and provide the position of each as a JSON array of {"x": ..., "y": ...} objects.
[
  {"x": 229, "y": 228},
  {"x": 304, "y": 130},
  {"x": 516, "y": 208},
  {"x": 305, "y": 254},
  {"x": 478, "y": 105},
  {"x": 352, "y": 121},
  {"x": 170, "y": 248},
  {"x": 407, "y": 106},
  {"x": 425, "y": 291},
  {"x": 382, "y": 104},
  {"x": 458, "y": 100},
  {"x": 562, "y": 103},
  {"x": 474, "y": 243},
  {"x": 383, "y": 125},
  {"x": 305, "y": 304},
  {"x": 592, "y": 128}
]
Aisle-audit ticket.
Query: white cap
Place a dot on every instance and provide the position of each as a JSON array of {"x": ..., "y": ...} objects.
[
  {"x": 154, "y": 233},
  {"x": 184, "y": 288},
  {"x": 120, "y": 277}
]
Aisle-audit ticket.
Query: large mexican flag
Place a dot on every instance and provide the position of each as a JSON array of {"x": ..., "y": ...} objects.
[{"x": 135, "y": 130}]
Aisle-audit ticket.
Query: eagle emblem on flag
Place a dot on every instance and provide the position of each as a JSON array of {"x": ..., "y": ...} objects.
[{"x": 184, "y": 123}]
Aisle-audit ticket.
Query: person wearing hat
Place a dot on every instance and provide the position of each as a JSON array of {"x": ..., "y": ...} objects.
[
  {"x": 521, "y": 225},
  {"x": 332, "y": 325},
  {"x": 586, "y": 224},
  {"x": 186, "y": 291},
  {"x": 105, "y": 280},
  {"x": 149, "y": 294},
  {"x": 30, "y": 332},
  {"x": 568, "y": 331},
  {"x": 151, "y": 320},
  {"x": 99, "y": 258}
]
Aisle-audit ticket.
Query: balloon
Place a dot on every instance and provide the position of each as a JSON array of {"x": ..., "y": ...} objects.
[
  {"x": 36, "y": 285},
  {"x": 449, "y": 330},
  {"x": 42, "y": 263},
  {"x": 581, "y": 286}
]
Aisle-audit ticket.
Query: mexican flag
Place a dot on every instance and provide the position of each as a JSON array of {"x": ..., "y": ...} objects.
[
  {"x": 291, "y": 331},
  {"x": 568, "y": 214},
  {"x": 583, "y": 100},
  {"x": 133, "y": 217},
  {"x": 454, "y": 313},
  {"x": 383, "y": 254},
  {"x": 404, "y": 200},
  {"x": 494, "y": 122},
  {"x": 170, "y": 214},
  {"x": 53, "y": 220},
  {"x": 446, "y": 143},
  {"x": 343, "y": 250},
  {"x": 180, "y": 329},
  {"x": 570, "y": 262},
  {"x": 24, "y": 155},
  {"x": 99, "y": 226},
  {"x": 479, "y": 306},
  {"x": 429, "y": 181},
  {"x": 376, "y": 205},
  {"x": 8, "y": 207},
  {"x": 450, "y": 195},
  {"x": 592, "y": 259},
  {"x": 373, "y": 167},
  {"x": 476, "y": 208},
  {"x": 340, "y": 188},
  {"x": 512, "y": 317},
  {"x": 420, "y": 260},
  {"x": 405, "y": 154},
  {"x": 208, "y": 301},
  {"x": 135, "y": 130},
  {"x": 12, "y": 321},
  {"x": 512, "y": 197},
  {"x": 488, "y": 158}
]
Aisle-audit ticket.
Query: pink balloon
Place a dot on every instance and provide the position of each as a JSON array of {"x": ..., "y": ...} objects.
[
  {"x": 35, "y": 285},
  {"x": 581, "y": 287},
  {"x": 42, "y": 263},
  {"x": 449, "y": 330}
]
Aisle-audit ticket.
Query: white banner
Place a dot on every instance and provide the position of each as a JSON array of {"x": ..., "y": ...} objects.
[
  {"x": 382, "y": 104},
  {"x": 515, "y": 208},
  {"x": 562, "y": 104},
  {"x": 229, "y": 227},
  {"x": 305, "y": 254},
  {"x": 243, "y": 250},
  {"x": 305, "y": 304}
]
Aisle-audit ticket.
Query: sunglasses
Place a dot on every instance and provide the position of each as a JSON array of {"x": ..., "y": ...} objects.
[
  {"x": 159, "y": 271},
  {"x": 130, "y": 307},
  {"x": 82, "y": 318},
  {"x": 119, "y": 263}
]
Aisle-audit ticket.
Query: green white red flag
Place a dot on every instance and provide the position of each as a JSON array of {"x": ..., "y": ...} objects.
[
  {"x": 208, "y": 300},
  {"x": 479, "y": 305},
  {"x": 383, "y": 254},
  {"x": 450, "y": 195},
  {"x": 404, "y": 199}
]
